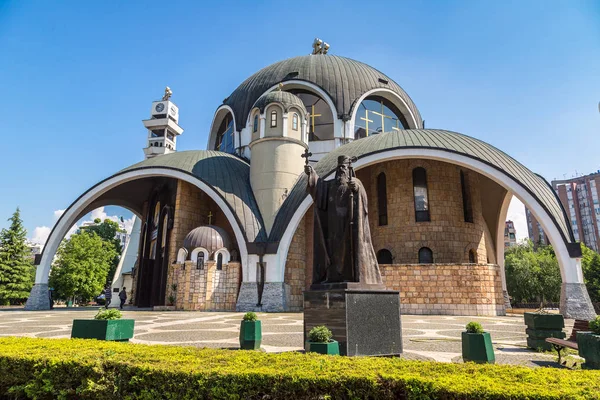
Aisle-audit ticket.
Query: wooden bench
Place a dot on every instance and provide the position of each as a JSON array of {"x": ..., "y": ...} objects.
[{"x": 571, "y": 342}]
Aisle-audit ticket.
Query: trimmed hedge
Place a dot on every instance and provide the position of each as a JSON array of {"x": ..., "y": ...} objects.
[{"x": 89, "y": 369}]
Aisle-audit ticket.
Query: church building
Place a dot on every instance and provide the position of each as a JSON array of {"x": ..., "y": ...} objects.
[{"x": 231, "y": 227}]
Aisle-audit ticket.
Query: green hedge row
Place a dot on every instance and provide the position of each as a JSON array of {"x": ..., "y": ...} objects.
[{"x": 89, "y": 369}]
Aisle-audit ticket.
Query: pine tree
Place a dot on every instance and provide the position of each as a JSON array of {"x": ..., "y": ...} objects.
[{"x": 16, "y": 268}]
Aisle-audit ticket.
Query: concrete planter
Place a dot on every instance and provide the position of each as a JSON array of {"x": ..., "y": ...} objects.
[
  {"x": 331, "y": 348},
  {"x": 477, "y": 347},
  {"x": 542, "y": 326},
  {"x": 250, "y": 335},
  {"x": 589, "y": 348},
  {"x": 120, "y": 330},
  {"x": 554, "y": 322}
]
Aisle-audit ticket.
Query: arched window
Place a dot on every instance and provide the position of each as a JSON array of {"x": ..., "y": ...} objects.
[
  {"x": 220, "y": 262},
  {"x": 255, "y": 124},
  {"x": 472, "y": 257},
  {"x": 200, "y": 260},
  {"x": 376, "y": 115},
  {"x": 320, "y": 118},
  {"x": 295, "y": 122},
  {"x": 466, "y": 196},
  {"x": 382, "y": 199},
  {"x": 420, "y": 194},
  {"x": 425, "y": 255},
  {"x": 224, "y": 141},
  {"x": 273, "y": 119},
  {"x": 384, "y": 256}
]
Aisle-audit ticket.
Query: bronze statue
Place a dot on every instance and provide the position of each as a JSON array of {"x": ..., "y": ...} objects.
[{"x": 343, "y": 251}]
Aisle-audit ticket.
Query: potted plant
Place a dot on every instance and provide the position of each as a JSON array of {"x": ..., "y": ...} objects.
[
  {"x": 477, "y": 344},
  {"x": 106, "y": 325},
  {"x": 250, "y": 332},
  {"x": 320, "y": 341},
  {"x": 542, "y": 325},
  {"x": 589, "y": 345}
]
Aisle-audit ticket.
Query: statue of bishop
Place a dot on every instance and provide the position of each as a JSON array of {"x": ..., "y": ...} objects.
[{"x": 343, "y": 251}]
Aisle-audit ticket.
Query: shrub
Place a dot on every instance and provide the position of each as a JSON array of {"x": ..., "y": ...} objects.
[
  {"x": 474, "y": 327},
  {"x": 595, "y": 325},
  {"x": 91, "y": 369},
  {"x": 109, "y": 314},
  {"x": 320, "y": 334},
  {"x": 250, "y": 316}
]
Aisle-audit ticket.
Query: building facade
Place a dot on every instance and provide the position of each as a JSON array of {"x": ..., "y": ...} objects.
[
  {"x": 535, "y": 230},
  {"x": 510, "y": 234},
  {"x": 231, "y": 227}
]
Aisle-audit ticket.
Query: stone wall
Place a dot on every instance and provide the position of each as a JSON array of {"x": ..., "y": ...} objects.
[
  {"x": 447, "y": 234},
  {"x": 452, "y": 289},
  {"x": 205, "y": 289},
  {"x": 295, "y": 267}
]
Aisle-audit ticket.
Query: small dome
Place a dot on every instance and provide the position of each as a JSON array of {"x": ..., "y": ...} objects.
[
  {"x": 211, "y": 237},
  {"x": 286, "y": 99}
]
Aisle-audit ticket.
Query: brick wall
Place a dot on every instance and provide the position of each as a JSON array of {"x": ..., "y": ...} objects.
[
  {"x": 205, "y": 289},
  {"x": 467, "y": 289},
  {"x": 447, "y": 234}
]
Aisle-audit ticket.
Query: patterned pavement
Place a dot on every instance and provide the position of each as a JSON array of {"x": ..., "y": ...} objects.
[{"x": 424, "y": 337}]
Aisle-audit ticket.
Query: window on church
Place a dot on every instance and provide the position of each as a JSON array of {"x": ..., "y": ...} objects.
[
  {"x": 220, "y": 262},
  {"x": 425, "y": 255},
  {"x": 295, "y": 122},
  {"x": 200, "y": 261},
  {"x": 376, "y": 115},
  {"x": 472, "y": 257},
  {"x": 224, "y": 141},
  {"x": 320, "y": 118},
  {"x": 384, "y": 256},
  {"x": 255, "y": 124},
  {"x": 382, "y": 199},
  {"x": 420, "y": 194},
  {"x": 466, "y": 196},
  {"x": 273, "y": 119}
]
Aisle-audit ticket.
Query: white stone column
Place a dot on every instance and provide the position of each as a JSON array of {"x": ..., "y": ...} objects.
[{"x": 262, "y": 125}]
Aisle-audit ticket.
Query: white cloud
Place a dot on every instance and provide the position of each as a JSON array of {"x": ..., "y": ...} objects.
[
  {"x": 58, "y": 214},
  {"x": 516, "y": 213},
  {"x": 40, "y": 234}
]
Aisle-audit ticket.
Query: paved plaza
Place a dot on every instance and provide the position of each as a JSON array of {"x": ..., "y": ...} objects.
[{"x": 424, "y": 337}]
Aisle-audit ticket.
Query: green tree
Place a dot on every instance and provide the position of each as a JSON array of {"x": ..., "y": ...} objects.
[
  {"x": 16, "y": 269},
  {"x": 590, "y": 264},
  {"x": 532, "y": 273},
  {"x": 107, "y": 230},
  {"x": 81, "y": 267}
]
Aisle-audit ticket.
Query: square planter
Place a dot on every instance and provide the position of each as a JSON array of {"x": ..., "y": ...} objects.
[
  {"x": 120, "y": 330},
  {"x": 554, "y": 322},
  {"x": 331, "y": 348},
  {"x": 589, "y": 348},
  {"x": 250, "y": 335},
  {"x": 477, "y": 347}
]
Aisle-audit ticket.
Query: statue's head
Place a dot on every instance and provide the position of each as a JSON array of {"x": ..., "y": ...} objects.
[{"x": 342, "y": 173}]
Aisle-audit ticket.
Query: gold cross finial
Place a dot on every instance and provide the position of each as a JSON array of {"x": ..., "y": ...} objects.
[{"x": 210, "y": 215}]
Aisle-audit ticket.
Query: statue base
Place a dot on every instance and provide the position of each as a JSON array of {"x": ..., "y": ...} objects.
[{"x": 365, "y": 322}]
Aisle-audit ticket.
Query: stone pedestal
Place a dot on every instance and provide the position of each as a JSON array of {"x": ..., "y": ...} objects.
[
  {"x": 575, "y": 302},
  {"x": 365, "y": 322},
  {"x": 274, "y": 297},
  {"x": 39, "y": 298}
]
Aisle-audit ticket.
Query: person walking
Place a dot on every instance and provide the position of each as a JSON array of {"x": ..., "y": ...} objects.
[
  {"x": 122, "y": 297},
  {"x": 107, "y": 296}
]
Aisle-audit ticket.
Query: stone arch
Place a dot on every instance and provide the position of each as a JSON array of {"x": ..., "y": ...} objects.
[
  {"x": 575, "y": 301},
  {"x": 220, "y": 114},
  {"x": 197, "y": 250},
  {"x": 225, "y": 253},
  {"x": 38, "y": 299},
  {"x": 181, "y": 255},
  {"x": 394, "y": 98}
]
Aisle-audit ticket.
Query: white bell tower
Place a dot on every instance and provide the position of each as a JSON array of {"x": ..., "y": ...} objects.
[{"x": 163, "y": 127}]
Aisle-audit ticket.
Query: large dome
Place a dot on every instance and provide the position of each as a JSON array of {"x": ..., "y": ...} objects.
[
  {"x": 210, "y": 237},
  {"x": 343, "y": 79}
]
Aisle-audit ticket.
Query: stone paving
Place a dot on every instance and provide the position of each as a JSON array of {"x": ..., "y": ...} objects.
[{"x": 424, "y": 337}]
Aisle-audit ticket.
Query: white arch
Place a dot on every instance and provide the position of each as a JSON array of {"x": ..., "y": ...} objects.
[
  {"x": 570, "y": 267},
  {"x": 219, "y": 115},
  {"x": 225, "y": 253},
  {"x": 69, "y": 217},
  {"x": 391, "y": 96},
  {"x": 181, "y": 255},
  {"x": 197, "y": 250}
]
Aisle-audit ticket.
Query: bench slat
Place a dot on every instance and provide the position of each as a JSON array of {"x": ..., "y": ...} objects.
[{"x": 564, "y": 343}]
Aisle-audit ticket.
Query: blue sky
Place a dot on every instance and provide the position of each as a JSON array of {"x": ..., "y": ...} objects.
[{"x": 77, "y": 78}]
